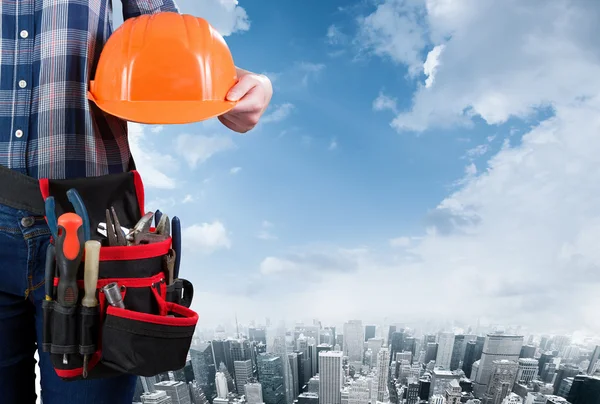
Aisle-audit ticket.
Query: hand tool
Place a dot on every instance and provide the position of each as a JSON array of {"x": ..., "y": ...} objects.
[
  {"x": 69, "y": 251},
  {"x": 80, "y": 209},
  {"x": 102, "y": 229},
  {"x": 50, "y": 271},
  {"x": 157, "y": 216},
  {"x": 169, "y": 263},
  {"x": 164, "y": 226},
  {"x": 176, "y": 241},
  {"x": 90, "y": 280},
  {"x": 112, "y": 291},
  {"x": 141, "y": 233},
  {"x": 51, "y": 216},
  {"x": 116, "y": 236}
]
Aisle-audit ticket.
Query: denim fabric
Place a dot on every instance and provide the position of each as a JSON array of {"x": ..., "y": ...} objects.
[{"x": 23, "y": 242}]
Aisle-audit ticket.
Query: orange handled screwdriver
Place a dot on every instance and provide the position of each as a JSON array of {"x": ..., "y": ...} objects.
[{"x": 69, "y": 251}]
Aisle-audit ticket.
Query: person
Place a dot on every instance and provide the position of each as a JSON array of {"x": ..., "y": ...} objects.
[{"x": 49, "y": 129}]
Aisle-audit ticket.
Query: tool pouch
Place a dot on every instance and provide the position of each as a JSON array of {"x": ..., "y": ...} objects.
[{"x": 153, "y": 333}]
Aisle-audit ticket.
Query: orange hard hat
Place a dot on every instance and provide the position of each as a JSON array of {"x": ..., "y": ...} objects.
[{"x": 164, "y": 68}]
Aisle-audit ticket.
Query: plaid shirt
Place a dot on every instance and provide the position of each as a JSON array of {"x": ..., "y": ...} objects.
[{"x": 49, "y": 50}]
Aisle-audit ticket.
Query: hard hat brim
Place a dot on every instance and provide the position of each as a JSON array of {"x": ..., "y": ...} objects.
[{"x": 164, "y": 112}]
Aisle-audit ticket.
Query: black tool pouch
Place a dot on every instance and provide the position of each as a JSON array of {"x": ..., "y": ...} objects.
[{"x": 153, "y": 333}]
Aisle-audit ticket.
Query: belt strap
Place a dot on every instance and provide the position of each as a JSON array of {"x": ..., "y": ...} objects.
[{"x": 20, "y": 191}]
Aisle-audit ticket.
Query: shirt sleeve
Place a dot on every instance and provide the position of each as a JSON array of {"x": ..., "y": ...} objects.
[{"x": 135, "y": 8}]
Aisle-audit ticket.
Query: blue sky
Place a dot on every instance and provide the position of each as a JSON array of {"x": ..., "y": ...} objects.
[{"x": 363, "y": 180}]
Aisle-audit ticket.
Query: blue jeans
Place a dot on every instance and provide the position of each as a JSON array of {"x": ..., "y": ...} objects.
[{"x": 23, "y": 241}]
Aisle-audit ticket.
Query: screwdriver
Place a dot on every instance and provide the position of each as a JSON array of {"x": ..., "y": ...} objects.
[
  {"x": 90, "y": 280},
  {"x": 49, "y": 280},
  {"x": 69, "y": 251}
]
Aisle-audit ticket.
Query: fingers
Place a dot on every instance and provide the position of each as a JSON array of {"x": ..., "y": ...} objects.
[
  {"x": 232, "y": 125},
  {"x": 242, "y": 87}
]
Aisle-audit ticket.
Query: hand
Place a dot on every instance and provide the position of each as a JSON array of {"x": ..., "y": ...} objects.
[{"x": 254, "y": 92}]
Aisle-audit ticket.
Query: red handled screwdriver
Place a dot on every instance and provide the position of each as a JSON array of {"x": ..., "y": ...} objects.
[{"x": 69, "y": 252}]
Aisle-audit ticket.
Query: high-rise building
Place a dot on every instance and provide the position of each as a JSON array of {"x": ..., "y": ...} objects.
[
  {"x": 354, "y": 340},
  {"x": 369, "y": 332},
  {"x": 594, "y": 360},
  {"x": 374, "y": 344},
  {"x": 440, "y": 381},
  {"x": 221, "y": 382},
  {"x": 444, "y": 351},
  {"x": 565, "y": 387},
  {"x": 301, "y": 364},
  {"x": 563, "y": 372},
  {"x": 157, "y": 397},
  {"x": 512, "y": 398},
  {"x": 379, "y": 387},
  {"x": 497, "y": 347},
  {"x": 457, "y": 352},
  {"x": 359, "y": 391},
  {"x": 257, "y": 334},
  {"x": 331, "y": 377},
  {"x": 204, "y": 368},
  {"x": 544, "y": 359},
  {"x": 270, "y": 374},
  {"x": 322, "y": 348},
  {"x": 177, "y": 391},
  {"x": 437, "y": 399},
  {"x": 527, "y": 351},
  {"x": 502, "y": 379},
  {"x": 412, "y": 391},
  {"x": 243, "y": 373},
  {"x": 453, "y": 393},
  {"x": 585, "y": 390},
  {"x": 528, "y": 370},
  {"x": 293, "y": 359},
  {"x": 473, "y": 351},
  {"x": 253, "y": 392},
  {"x": 432, "y": 351}
]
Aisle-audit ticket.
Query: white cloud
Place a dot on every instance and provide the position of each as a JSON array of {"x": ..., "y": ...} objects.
[
  {"x": 264, "y": 233},
  {"x": 383, "y": 102},
  {"x": 400, "y": 242},
  {"x": 335, "y": 36},
  {"x": 309, "y": 70},
  {"x": 188, "y": 198},
  {"x": 431, "y": 64},
  {"x": 500, "y": 59},
  {"x": 477, "y": 151},
  {"x": 333, "y": 144},
  {"x": 471, "y": 169},
  {"x": 153, "y": 165},
  {"x": 235, "y": 170},
  {"x": 394, "y": 30},
  {"x": 206, "y": 238},
  {"x": 157, "y": 129},
  {"x": 226, "y": 16},
  {"x": 199, "y": 148},
  {"x": 278, "y": 113}
]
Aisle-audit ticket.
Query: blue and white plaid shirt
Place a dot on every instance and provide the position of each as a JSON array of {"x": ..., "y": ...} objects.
[{"x": 48, "y": 54}]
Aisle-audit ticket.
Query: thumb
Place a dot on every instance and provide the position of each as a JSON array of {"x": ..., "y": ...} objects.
[{"x": 241, "y": 88}]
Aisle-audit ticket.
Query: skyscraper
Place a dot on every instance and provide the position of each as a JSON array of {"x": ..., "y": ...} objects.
[
  {"x": 243, "y": 373},
  {"x": 457, "y": 352},
  {"x": 585, "y": 390},
  {"x": 253, "y": 393},
  {"x": 293, "y": 359},
  {"x": 431, "y": 353},
  {"x": 381, "y": 378},
  {"x": 453, "y": 392},
  {"x": 593, "y": 360},
  {"x": 353, "y": 340},
  {"x": 369, "y": 332},
  {"x": 374, "y": 344},
  {"x": 527, "y": 371},
  {"x": 497, "y": 347},
  {"x": 359, "y": 391},
  {"x": 221, "y": 382},
  {"x": 502, "y": 380},
  {"x": 330, "y": 377},
  {"x": 270, "y": 373},
  {"x": 527, "y": 351},
  {"x": 204, "y": 368},
  {"x": 177, "y": 391},
  {"x": 444, "y": 352},
  {"x": 563, "y": 372}
]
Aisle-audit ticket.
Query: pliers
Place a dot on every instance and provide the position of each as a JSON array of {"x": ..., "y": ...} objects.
[{"x": 80, "y": 209}]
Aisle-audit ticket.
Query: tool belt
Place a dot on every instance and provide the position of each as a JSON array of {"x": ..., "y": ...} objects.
[{"x": 153, "y": 333}]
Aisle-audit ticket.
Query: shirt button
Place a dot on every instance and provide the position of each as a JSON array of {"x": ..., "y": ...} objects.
[
  {"x": 19, "y": 133},
  {"x": 22, "y": 83},
  {"x": 24, "y": 34}
]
